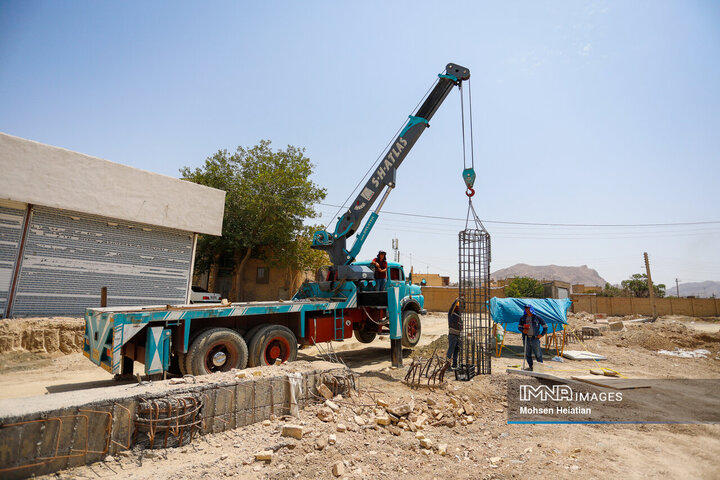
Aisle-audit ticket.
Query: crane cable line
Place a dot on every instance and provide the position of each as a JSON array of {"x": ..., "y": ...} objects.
[{"x": 709, "y": 222}]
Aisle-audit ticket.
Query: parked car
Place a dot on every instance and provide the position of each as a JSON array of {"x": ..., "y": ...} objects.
[{"x": 200, "y": 295}]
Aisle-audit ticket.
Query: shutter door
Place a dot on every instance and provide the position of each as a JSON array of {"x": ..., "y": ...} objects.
[
  {"x": 68, "y": 257},
  {"x": 11, "y": 223}
]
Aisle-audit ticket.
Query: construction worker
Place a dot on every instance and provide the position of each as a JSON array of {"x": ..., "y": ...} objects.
[
  {"x": 380, "y": 263},
  {"x": 533, "y": 328},
  {"x": 455, "y": 325}
]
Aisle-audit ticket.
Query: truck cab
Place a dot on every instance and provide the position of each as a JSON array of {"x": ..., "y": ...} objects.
[{"x": 375, "y": 304}]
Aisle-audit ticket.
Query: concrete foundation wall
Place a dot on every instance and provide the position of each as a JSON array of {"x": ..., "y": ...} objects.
[
  {"x": 41, "y": 435},
  {"x": 692, "y": 307}
]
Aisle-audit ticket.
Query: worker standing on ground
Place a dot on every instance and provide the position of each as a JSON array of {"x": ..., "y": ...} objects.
[
  {"x": 455, "y": 325},
  {"x": 533, "y": 328},
  {"x": 380, "y": 263}
]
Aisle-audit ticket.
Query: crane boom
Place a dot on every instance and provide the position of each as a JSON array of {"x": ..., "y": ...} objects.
[{"x": 385, "y": 173}]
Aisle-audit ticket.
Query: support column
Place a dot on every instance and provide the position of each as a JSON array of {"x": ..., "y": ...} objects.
[
  {"x": 395, "y": 314},
  {"x": 651, "y": 289},
  {"x": 396, "y": 353}
]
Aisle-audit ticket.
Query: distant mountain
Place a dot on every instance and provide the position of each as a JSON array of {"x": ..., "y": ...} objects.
[
  {"x": 698, "y": 289},
  {"x": 573, "y": 275}
]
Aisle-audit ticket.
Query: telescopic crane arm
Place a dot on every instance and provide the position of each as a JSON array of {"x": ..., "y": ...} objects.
[{"x": 384, "y": 175}]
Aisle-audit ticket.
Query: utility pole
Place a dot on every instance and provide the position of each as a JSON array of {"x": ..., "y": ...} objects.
[
  {"x": 396, "y": 250},
  {"x": 651, "y": 289},
  {"x": 677, "y": 288}
]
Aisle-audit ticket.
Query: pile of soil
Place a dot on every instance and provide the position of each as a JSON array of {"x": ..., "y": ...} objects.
[
  {"x": 665, "y": 336},
  {"x": 42, "y": 335},
  {"x": 438, "y": 346}
]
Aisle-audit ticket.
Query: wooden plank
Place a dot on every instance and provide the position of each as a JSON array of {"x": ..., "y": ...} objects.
[
  {"x": 541, "y": 375},
  {"x": 582, "y": 355},
  {"x": 614, "y": 383}
]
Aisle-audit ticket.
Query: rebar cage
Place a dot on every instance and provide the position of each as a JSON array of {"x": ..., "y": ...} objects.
[{"x": 474, "y": 291}]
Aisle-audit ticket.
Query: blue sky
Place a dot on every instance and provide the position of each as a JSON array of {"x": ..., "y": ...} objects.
[{"x": 584, "y": 112}]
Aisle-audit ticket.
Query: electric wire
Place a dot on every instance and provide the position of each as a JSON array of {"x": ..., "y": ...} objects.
[{"x": 604, "y": 225}]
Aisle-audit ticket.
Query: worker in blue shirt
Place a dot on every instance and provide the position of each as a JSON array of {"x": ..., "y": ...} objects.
[{"x": 533, "y": 328}]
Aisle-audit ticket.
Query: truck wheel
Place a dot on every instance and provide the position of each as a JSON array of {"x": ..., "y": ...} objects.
[
  {"x": 365, "y": 336},
  {"x": 410, "y": 329},
  {"x": 271, "y": 343},
  {"x": 183, "y": 358},
  {"x": 217, "y": 350},
  {"x": 252, "y": 332}
]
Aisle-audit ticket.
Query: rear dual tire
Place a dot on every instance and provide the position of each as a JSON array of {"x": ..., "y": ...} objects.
[
  {"x": 270, "y": 343},
  {"x": 216, "y": 350},
  {"x": 221, "y": 349}
]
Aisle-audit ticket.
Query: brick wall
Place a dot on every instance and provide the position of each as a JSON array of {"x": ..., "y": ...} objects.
[
  {"x": 439, "y": 299},
  {"x": 693, "y": 307}
]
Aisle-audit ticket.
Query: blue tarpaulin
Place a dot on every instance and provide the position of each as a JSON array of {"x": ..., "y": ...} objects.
[{"x": 508, "y": 311}]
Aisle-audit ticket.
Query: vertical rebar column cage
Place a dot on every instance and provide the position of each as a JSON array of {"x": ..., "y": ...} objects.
[{"x": 474, "y": 291}]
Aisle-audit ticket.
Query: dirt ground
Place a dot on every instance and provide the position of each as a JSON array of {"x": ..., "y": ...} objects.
[{"x": 479, "y": 444}]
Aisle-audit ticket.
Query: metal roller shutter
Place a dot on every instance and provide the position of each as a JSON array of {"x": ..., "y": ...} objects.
[
  {"x": 69, "y": 257},
  {"x": 11, "y": 224}
]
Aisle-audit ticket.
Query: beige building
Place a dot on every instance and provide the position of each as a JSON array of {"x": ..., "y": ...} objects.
[
  {"x": 259, "y": 281},
  {"x": 431, "y": 279},
  {"x": 580, "y": 288}
]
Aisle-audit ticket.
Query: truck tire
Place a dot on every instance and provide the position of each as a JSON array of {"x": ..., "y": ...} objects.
[
  {"x": 252, "y": 332},
  {"x": 365, "y": 336},
  {"x": 216, "y": 350},
  {"x": 411, "y": 328},
  {"x": 270, "y": 343},
  {"x": 183, "y": 358}
]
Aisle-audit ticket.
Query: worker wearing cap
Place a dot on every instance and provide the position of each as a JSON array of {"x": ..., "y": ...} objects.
[
  {"x": 533, "y": 328},
  {"x": 455, "y": 325},
  {"x": 380, "y": 263}
]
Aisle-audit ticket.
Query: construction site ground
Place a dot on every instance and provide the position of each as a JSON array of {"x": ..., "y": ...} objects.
[{"x": 465, "y": 435}]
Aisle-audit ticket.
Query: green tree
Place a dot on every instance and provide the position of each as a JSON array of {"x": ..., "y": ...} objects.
[
  {"x": 637, "y": 286},
  {"x": 612, "y": 291},
  {"x": 524, "y": 287},
  {"x": 268, "y": 194},
  {"x": 297, "y": 256}
]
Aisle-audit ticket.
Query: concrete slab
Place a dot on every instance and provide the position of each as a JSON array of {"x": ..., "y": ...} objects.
[
  {"x": 541, "y": 375},
  {"x": 614, "y": 383}
]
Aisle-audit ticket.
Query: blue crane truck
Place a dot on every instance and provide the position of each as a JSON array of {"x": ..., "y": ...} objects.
[{"x": 201, "y": 339}]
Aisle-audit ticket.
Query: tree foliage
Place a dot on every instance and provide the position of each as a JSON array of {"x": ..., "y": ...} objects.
[
  {"x": 637, "y": 286},
  {"x": 524, "y": 287},
  {"x": 297, "y": 256},
  {"x": 268, "y": 194},
  {"x": 612, "y": 291}
]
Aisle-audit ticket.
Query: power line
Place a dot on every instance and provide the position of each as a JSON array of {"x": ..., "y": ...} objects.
[
  {"x": 529, "y": 232},
  {"x": 712, "y": 222}
]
